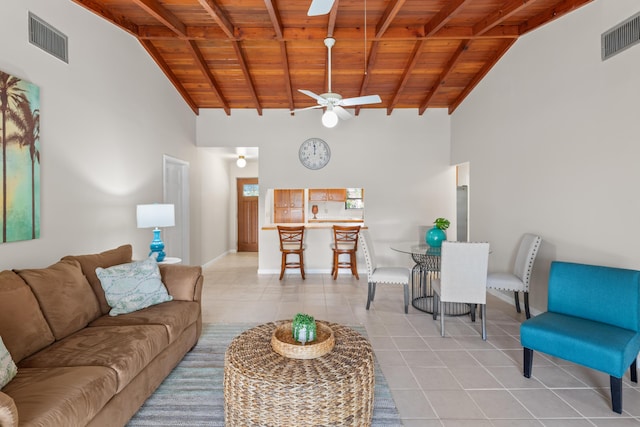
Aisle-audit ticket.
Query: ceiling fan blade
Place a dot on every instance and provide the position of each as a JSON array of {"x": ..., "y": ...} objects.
[
  {"x": 321, "y": 100},
  {"x": 307, "y": 108},
  {"x": 320, "y": 7},
  {"x": 368, "y": 99},
  {"x": 342, "y": 113}
]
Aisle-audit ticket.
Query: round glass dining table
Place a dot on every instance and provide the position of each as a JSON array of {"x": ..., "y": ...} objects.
[{"x": 427, "y": 268}]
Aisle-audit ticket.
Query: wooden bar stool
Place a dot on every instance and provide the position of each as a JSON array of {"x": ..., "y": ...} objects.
[
  {"x": 291, "y": 243},
  {"x": 345, "y": 242}
]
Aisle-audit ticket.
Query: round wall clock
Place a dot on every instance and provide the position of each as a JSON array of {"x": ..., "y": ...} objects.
[{"x": 314, "y": 153}]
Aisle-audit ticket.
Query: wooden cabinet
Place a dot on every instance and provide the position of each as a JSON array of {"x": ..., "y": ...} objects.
[
  {"x": 288, "y": 206},
  {"x": 327, "y": 195}
]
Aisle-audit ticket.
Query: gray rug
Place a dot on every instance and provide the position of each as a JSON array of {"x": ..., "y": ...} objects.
[{"x": 192, "y": 395}]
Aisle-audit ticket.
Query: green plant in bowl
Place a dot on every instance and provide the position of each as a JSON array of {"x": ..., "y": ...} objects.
[
  {"x": 303, "y": 328},
  {"x": 442, "y": 223}
]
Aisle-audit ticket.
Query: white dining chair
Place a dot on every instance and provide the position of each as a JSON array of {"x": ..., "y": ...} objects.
[
  {"x": 382, "y": 275},
  {"x": 463, "y": 279},
  {"x": 518, "y": 280}
]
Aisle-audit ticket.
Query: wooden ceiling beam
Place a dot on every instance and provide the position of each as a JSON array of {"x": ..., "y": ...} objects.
[
  {"x": 551, "y": 14},
  {"x": 343, "y": 34},
  {"x": 287, "y": 74},
  {"x": 274, "y": 15},
  {"x": 276, "y": 21},
  {"x": 499, "y": 15},
  {"x": 105, "y": 13},
  {"x": 444, "y": 16},
  {"x": 488, "y": 65},
  {"x": 388, "y": 16},
  {"x": 153, "y": 52},
  {"x": 333, "y": 15},
  {"x": 153, "y": 8},
  {"x": 443, "y": 76},
  {"x": 231, "y": 32},
  {"x": 201, "y": 63},
  {"x": 247, "y": 75},
  {"x": 373, "y": 54},
  {"x": 219, "y": 16},
  {"x": 406, "y": 74}
]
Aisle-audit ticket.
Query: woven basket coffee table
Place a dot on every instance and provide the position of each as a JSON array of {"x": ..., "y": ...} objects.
[{"x": 263, "y": 388}]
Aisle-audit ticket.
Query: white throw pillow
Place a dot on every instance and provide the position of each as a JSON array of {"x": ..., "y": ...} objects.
[
  {"x": 8, "y": 368},
  {"x": 134, "y": 286}
]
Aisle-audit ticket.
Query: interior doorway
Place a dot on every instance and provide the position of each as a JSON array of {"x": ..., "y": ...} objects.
[{"x": 247, "y": 214}]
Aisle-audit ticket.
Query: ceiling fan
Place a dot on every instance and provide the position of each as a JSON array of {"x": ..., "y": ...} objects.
[
  {"x": 320, "y": 7},
  {"x": 334, "y": 102}
]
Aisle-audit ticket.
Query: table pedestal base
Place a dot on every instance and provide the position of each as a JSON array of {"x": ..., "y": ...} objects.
[{"x": 422, "y": 294}]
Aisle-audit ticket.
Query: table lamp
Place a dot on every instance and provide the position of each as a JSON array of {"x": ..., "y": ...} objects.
[{"x": 156, "y": 215}]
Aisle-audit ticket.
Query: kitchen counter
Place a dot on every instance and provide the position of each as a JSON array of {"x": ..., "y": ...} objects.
[{"x": 317, "y": 223}]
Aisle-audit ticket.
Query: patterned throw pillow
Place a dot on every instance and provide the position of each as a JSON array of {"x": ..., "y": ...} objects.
[
  {"x": 133, "y": 286},
  {"x": 8, "y": 369}
]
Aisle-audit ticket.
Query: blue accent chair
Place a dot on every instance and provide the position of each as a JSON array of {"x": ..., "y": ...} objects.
[{"x": 593, "y": 319}]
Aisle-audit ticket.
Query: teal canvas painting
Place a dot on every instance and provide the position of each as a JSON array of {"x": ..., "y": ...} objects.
[{"x": 20, "y": 140}]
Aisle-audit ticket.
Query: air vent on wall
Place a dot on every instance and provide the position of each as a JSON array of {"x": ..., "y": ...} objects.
[
  {"x": 621, "y": 37},
  {"x": 47, "y": 38}
]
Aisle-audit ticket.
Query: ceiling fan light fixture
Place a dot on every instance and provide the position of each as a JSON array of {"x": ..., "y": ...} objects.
[
  {"x": 241, "y": 162},
  {"x": 329, "y": 119}
]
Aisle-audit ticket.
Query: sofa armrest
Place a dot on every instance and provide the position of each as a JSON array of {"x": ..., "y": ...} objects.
[
  {"x": 184, "y": 282},
  {"x": 8, "y": 411}
]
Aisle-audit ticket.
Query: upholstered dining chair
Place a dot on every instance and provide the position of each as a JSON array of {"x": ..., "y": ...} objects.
[
  {"x": 463, "y": 279},
  {"x": 291, "y": 243},
  {"x": 345, "y": 243},
  {"x": 518, "y": 280},
  {"x": 382, "y": 275}
]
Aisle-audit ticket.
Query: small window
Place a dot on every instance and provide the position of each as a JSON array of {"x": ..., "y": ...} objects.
[
  {"x": 250, "y": 190},
  {"x": 354, "y": 199}
]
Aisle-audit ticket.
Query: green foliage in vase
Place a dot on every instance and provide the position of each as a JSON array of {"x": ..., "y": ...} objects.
[
  {"x": 303, "y": 322},
  {"x": 304, "y": 319},
  {"x": 442, "y": 223}
]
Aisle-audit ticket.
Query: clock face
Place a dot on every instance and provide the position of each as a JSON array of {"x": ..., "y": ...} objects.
[{"x": 314, "y": 153}]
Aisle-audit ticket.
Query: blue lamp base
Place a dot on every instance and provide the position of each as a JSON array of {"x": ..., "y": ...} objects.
[{"x": 157, "y": 246}]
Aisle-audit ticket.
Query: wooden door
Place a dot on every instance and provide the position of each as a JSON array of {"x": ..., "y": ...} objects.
[{"x": 247, "y": 214}]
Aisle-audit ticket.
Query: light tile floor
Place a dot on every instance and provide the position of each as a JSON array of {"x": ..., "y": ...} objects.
[{"x": 459, "y": 380}]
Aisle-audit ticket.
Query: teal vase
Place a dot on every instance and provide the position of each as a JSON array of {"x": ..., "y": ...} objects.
[{"x": 435, "y": 237}]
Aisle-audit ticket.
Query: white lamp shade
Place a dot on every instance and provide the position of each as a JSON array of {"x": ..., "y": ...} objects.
[
  {"x": 241, "y": 162},
  {"x": 155, "y": 215},
  {"x": 329, "y": 119}
]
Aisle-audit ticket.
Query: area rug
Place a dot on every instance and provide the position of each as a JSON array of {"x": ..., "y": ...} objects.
[{"x": 192, "y": 395}]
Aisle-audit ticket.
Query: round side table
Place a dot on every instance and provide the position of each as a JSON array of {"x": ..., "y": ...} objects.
[
  {"x": 170, "y": 260},
  {"x": 263, "y": 388}
]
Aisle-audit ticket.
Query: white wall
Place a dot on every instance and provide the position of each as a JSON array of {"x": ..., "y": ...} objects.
[
  {"x": 107, "y": 118},
  {"x": 401, "y": 161},
  {"x": 551, "y": 135}
]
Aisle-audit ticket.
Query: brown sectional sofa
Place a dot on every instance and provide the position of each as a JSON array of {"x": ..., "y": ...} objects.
[{"x": 76, "y": 364}]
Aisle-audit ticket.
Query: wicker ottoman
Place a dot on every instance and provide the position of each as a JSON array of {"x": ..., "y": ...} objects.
[{"x": 262, "y": 388}]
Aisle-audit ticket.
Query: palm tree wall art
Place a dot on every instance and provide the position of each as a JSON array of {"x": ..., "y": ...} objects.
[{"x": 20, "y": 139}]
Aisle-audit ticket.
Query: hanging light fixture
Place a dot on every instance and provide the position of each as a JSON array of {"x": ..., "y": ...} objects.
[
  {"x": 241, "y": 162},
  {"x": 329, "y": 118}
]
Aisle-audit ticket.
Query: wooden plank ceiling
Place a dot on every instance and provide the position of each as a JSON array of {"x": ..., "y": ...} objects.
[{"x": 256, "y": 54}]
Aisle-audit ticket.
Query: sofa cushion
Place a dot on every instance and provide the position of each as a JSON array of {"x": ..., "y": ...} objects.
[
  {"x": 176, "y": 316},
  {"x": 8, "y": 411},
  {"x": 65, "y": 296},
  {"x": 89, "y": 263},
  {"x": 23, "y": 327},
  {"x": 133, "y": 286},
  {"x": 175, "y": 276},
  {"x": 61, "y": 396},
  {"x": 125, "y": 349},
  {"x": 8, "y": 368}
]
